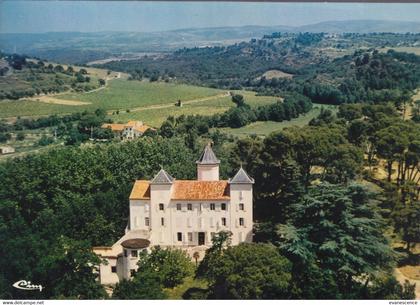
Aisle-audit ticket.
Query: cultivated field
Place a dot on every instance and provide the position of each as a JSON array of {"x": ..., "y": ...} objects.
[
  {"x": 265, "y": 128},
  {"x": 150, "y": 102},
  {"x": 156, "y": 114}
]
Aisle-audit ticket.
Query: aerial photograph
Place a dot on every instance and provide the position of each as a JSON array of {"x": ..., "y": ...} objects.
[{"x": 174, "y": 151}]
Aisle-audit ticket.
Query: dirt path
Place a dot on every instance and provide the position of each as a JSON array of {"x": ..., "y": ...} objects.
[
  {"x": 161, "y": 106},
  {"x": 402, "y": 278}
]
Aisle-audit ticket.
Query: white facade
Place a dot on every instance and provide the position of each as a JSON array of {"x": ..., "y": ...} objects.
[{"x": 184, "y": 213}]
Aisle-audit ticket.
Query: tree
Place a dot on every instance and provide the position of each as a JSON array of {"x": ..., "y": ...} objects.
[
  {"x": 67, "y": 271},
  {"x": 167, "y": 129},
  {"x": 20, "y": 136},
  {"x": 338, "y": 229},
  {"x": 388, "y": 288},
  {"x": 405, "y": 215},
  {"x": 144, "y": 286},
  {"x": 249, "y": 271},
  {"x": 44, "y": 140},
  {"x": 102, "y": 82},
  {"x": 4, "y": 137},
  {"x": 171, "y": 265},
  {"x": 238, "y": 100}
]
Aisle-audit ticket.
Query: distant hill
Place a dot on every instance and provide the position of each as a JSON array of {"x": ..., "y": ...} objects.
[
  {"x": 361, "y": 26},
  {"x": 77, "y": 47}
]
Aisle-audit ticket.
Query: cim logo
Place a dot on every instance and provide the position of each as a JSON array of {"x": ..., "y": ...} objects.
[{"x": 26, "y": 285}]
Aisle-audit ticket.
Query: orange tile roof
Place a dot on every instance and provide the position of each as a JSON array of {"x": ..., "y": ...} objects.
[
  {"x": 114, "y": 127},
  {"x": 132, "y": 123},
  {"x": 143, "y": 128},
  {"x": 200, "y": 190},
  {"x": 186, "y": 190},
  {"x": 141, "y": 190}
]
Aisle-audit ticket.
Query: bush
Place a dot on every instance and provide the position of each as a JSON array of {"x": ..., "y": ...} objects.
[
  {"x": 20, "y": 136},
  {"x": 44, "y": 141}
]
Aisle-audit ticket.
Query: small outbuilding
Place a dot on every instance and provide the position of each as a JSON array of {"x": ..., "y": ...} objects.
[{"x": 6, "y": 150}]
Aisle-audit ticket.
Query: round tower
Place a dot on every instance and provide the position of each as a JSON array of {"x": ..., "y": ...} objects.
[{"x": 131, "y": 251}]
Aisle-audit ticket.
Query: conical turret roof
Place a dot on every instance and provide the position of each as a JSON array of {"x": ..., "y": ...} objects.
[
  {"x": 208, "y": 156},
  {"x": 241, "y": 177},
  {"x": 162, "y": 177}
]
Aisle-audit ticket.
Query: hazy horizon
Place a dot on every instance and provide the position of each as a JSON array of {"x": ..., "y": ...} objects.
[{"x": 97, "y": 16}]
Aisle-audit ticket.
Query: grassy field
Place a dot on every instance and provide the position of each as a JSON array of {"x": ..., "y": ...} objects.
[
  {"x": 150, "y": 102},
  {"x": 122, "y": 94},
  {"x": 265, "y": 128},
  {"x": 154, "y": 116},
  {"x": 118, "y": 95}
]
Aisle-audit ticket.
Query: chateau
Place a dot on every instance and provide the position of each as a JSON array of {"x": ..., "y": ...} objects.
[
  {"x": 129, "y": 131},
  {"x": 181, "y": 213}
]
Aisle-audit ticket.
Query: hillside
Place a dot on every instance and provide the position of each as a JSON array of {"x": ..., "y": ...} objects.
[
  {"x": 331, "y": 69},
  {"x": 88, "y": 47},
  {"x": 23, "y": 77}
]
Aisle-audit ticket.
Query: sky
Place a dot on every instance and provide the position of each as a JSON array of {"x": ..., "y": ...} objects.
[{"x": 96, "y": 16}]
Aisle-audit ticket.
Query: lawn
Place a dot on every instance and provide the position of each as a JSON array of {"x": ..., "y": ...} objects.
[
  {"x": 265, "y": 128},
  {"x": 177, "y": 292}
]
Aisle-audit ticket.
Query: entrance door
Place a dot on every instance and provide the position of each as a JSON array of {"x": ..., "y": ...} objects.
[{"x": 201, "y": 238}]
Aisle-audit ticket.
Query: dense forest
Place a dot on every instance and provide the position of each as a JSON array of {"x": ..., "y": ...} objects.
[
  {"x": 366, "y": 75},
  {"x": 320, "y": 224}
]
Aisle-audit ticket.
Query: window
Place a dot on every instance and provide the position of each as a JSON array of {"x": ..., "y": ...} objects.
[
  {"x": 212, "y": 206},
  {"x": 147, "y": 221},
  {"x": 134, "y": 253},
  {"x": 162, "y": 221},
  {"x": 189, "y": 207},
  {"x": 179, "y": 236},
  {"x": 241, "y": 206},
  {"x": 190, "y": 236},
  {"x": 223, "y": 206},
  {"x": 161, "y": 206},
  {"x": 241, "y": 222},
  {"x": 178, "y": 207},
  {"x": 114, "y": 269},
  {"x": 224, "y": 221},
  {"x": 132, "y": 272},
  {"x": 125, "y": 253}
]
